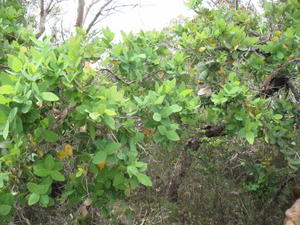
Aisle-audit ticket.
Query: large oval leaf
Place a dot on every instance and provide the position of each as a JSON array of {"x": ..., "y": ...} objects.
[{"x": 49, "y": 96}]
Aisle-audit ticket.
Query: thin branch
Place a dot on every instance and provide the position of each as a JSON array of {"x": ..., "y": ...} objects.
[
  {"x": 89, "y": 8},
  {"x": 50, "y": 6},
  {"x": 3, "y": 67},
  {"x": 97, "y": 15},
  {"x": 116, "y": 76}
]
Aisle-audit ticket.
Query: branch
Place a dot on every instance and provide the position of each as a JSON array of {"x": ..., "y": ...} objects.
[
  {"x": 3, "y": 67},
  {"x": 275, "y": 72},
  {"x": 116, "y": 76},
  {"x": 50, "y": 6},
  {"x": 89, "y": 8},
  {"x": 97, "y": 15}
]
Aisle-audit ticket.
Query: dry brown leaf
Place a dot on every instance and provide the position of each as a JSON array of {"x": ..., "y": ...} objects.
[
  {"x": 83, "y": 210},
  {"x": 87, "y": 202},
  {"x": 206, "y": 91}
]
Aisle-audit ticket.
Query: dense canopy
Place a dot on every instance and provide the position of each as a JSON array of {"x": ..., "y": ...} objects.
[{"x": 79, "y": 117}]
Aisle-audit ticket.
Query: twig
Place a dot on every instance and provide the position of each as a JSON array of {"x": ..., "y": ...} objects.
[
  {"x": 116, "y": 76},
  {"x": 3, "y": 67}
]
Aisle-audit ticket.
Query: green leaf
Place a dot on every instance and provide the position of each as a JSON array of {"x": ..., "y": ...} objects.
[
  {"x": 91, "y": 130},
  {"x": 44, "y": 200},
  {"x": 4, "y": 210},
  {"x": 159, "y": 100},
  {"x": 58, "y": 165},
  {"x": 4, "y": 100},
  {"x": 6, "y": 130},
  {"x": 218, "y": 99},
  {"x": 143, "y": 179},
  {"x": 40, "y": 171},
  {"x": 119, "y": 179},
  {"x": 172, "y": 135},
  {"x": 277, "y": 117},
  {"x": 40, "y": 189},
  {"x": 110, "y": 112},
  {"x": 32, "y": 187},
  {"x": 109, "y": 121},
  {"x": 12, "y": 114},
  {"x": 49, "y": 162},
  {"x": 6, "y": 89},
  {"x": 108, "y": 34},
  {"x": 32, "y": 69},
  {"x": 57, "y": 175},
  {"x": 33, "y": 198},
  {"x": 186, "y": 92},
  {"x": 157, "y": 117},
  {"x": 3, "y": 177},
  {"x": 94, "y": 115},
  {"x": 162, "y": 129},
  {"x": 49, "y": 96},
  {"x": 295, "y": 162},
  {"x": 250, "y": 136},
  {"x": 50, "y": 136},
  {"x": 14, "y": 63},
  {"x": 175, "y": 108},
  {"x": 132, "y": 170},
  {"x": 99, "y": 157},
  {"x": 112, "y": 148},
  {"x": 165, "y": 112}
]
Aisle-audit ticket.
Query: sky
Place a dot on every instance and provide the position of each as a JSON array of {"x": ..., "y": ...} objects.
[{"x": 151, "y": 14}]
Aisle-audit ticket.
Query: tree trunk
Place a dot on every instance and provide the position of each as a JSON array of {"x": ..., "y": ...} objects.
[
  {"x": 184, "y": 161},
  {"x": 80, "y": 12},
  {"x": 43, "y": 15}
]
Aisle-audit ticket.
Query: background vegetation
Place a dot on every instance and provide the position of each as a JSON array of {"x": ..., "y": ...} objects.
[{"x": 198, "y": 124}]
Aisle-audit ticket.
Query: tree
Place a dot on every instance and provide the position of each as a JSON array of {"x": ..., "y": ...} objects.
[
  {"x": 89, "y": 14},
  {"x": 226, "y": 73}
]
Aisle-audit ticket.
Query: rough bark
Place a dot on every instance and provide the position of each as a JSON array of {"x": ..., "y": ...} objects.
[
  {"x": 43, "y": 15},
  {"x": 44, "y": 12},
  {"x": 80, "y": 13}
]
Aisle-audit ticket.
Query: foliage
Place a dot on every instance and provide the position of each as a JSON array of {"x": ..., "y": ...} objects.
[{"x": 93, "y": 105}]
